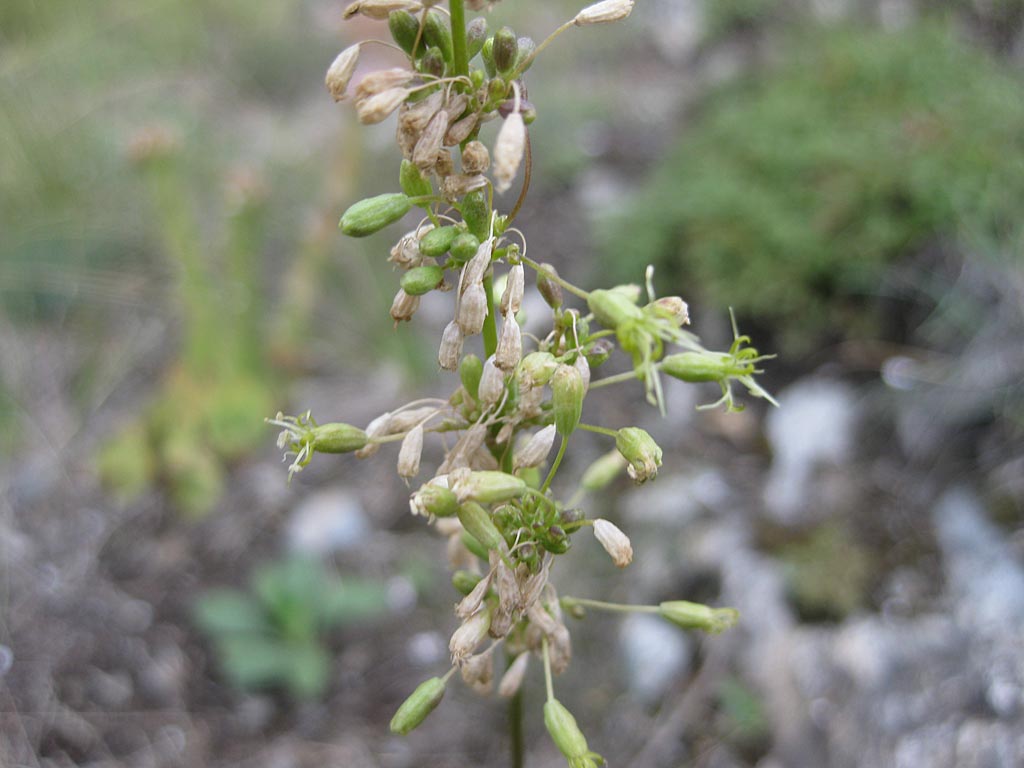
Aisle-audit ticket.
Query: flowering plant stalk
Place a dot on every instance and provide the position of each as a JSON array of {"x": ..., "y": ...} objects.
[{"x": 491, "y": 496}]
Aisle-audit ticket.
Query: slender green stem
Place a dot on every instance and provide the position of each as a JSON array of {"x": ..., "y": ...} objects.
[
  {"x": 555, "y": 278},
  {"x": 547, "y": 41},
  {"x": 547, "y": 669},
  {"x": 554, "y": 467},
  {"x": 515, "y": 729},
  {"x": 490, "y": 331},
  {"x": 599, "y": 430},
  {"x": 458, "y": 20},
  {"x": 616, "y": 379},
  {"x": 614, "y": 607}
]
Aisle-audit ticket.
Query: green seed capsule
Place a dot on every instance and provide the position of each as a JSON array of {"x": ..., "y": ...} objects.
[
  {"x": 474, "y": 546},
  {"x": 478, "y": 524},
  {"x": 422, "y": 702},
  {"x": 487, "y": 56},
  {"x": 433, "y": 62},
  {"x": 374, "y": 213},
  {"x": 506, "y": 47},
  {"x": 476, "y": 34},
  {"x": 696, "y": 366},
  {"x": 414, "y": 183},
  {"x": 404, "y": 29},
  {"x": 465, "y": 581},
  {"x": 567, "y": 394},
  {"x": 437, "y": 241},
  {"x": 697, "y": 616},
  {"x": 464, "y": 247},
  {"x": 470, "y": 370},
  {"x": 337, "y": 438},
  {"x": 564, "y": 731},
  {"x": 492, "y": 487},
  {"x": 477, "y": 214},
  {"x": 437, "y": 34},
  {"x": 420, "y": 280},
  {"x": 612, "y": 309}
]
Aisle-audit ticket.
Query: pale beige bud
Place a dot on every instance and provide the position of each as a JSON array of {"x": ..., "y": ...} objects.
[
  {"x": 537, "y": 449},
  {"x": 472, "y": 310},
  {"x": 379, "y": 9},
  {"x": 604, "y": 12},
  {"x": 340, "y": 72},
  {"x": 512, "y": 680},
  {"x": 475, "y": 269},
  {"x": 458, "y": 458},
  {"x": 483, "y": 461},
  {"x": 414, "y": 117},
  {"x": 469, "y": 635},
  {"x": 443, "y": 165},
  {"x": 614, "y": 541},
  {"x": 508, "y": 151},
  {"x": 404, "y": 306},
  {"x": 460, "y": 130},
  {"x": 424, "y": 156},
  {"x": 405, "y": 420},
  {"x": 471, "y": 603},
  {"x": 478, "y": 672},
  {"x": 510, "y": 344},
  {"x": 475, "y": 157},
  {"x": 410, "y": 452},
  {"x": 530, "y": 402},
  {"x": 583, "y": 367},
  {"x": 501, "y": 438},
  {"x": 451, "y": 347},
  {"x": 539, "y": 617},
  {"x": 503, "y": 617},
  {"x": 492, "y": 383},
  {"x": 672, "y": 308},
  {"x": 560, "y": 649},
  {"x": 406, "y": 252},
  {"x": 377, "y": 108},
  {"x": 512, "y": 298},
  {"x": 455, "y": 106},
  {"x": 375, "y": 428},
  {"x": 456, "y": 186},
  {"x": 383, "y": 80}
]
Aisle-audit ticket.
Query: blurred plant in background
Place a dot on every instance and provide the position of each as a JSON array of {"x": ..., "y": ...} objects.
[
  {"x": 273, "y": 635},
  {"x": 795, "y": 191}
]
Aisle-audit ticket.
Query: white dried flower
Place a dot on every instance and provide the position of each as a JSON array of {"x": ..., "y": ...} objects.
[
  {"x": 404, "y": 306},
  {"x": 410, "y": 452},
  {"x": 456, "y": 105},
  {"x": 456, "y": 186},
  {"x": 378, "y": 107},
  {"x": 537, "y": 449},
  {"x": 472, "y": 310},
  {"x": 459, "y": 131},
  {"x": 492, "y": 382},
  {"x": 508, "y": 151},
  {"x": 614, "y": 541},
  {"x": 469, "y": 635},
  {"x": 424, "y": 156},
  {"x": 583, "y": 367},
  {"x": 383, "y": 80},
  {"x": 478, "y": 672},
  {"x": 451, "y": 347},
  {"x": 475, "y": 157},
  {"x": 512, "y": 680},
  {"x": 379, "y": 9},
  {"x": 414, "y": 117},
  {"x": 340, "y": 72},
  {"x": 604, "y": 12},
  {"x": 510, "y": 344},
  {"x": 473, "y": 272},
  {"x": 375, "y": 428},
  {"x": 512, "y": 298},
  {"x": 472, "y": 602},
  {"x": 405, "y": 420}
]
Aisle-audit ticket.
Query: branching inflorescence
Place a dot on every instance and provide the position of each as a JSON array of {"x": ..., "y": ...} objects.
[{"x": 491, "y": 494}]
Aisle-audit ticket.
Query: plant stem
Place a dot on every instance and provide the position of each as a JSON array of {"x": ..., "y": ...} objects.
[
  {"x": 490, "y": 331},
  {"x": 515, "y": 730},
  {"x": 547, "y": 669},
  {"x": 554, "y": 467},
  {"x": 599, "y": 430},
  {"x": 615, "y": 607},
  {"x": 555, "y": 278},
  {"x": 458, "y": 21},
  {"x": 616, "y": 379}
]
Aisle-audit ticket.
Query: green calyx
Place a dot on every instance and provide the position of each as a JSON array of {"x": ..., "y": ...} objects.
[{"x": 374, "y": 213}]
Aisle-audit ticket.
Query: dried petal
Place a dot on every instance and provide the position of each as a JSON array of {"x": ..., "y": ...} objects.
[
  {"x": 508, "y": 151},
  {"x": 340, "y": 72}
]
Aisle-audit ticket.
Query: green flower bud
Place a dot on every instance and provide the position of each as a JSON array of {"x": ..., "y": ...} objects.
[
  {"x": 465, "y": 581},
  {"x": 477, "y": 213},
  {"x": 612, "y": 309},
  {"x": 420, "y": 280},
  {"x": 404, "y": 29},
  {"x": 422, "y": 702},
  {"x": 437, "y": 34},
  {"x": 474, "y": 546},
  {"x": 487, "y": 56},
  {"x": 598, "y": 352},
  {"x": 470, "y": 370},
  {"x": 464, "y": 247},
  {"x": 478, "y": 524},
  {"x": 567, "y": 736},
  {"x": 536, "y": 369},
  {"x": 555, "y": 540},
  {"x": 374, "y": 213},
  {"x": 437, "y": 241},
  {"x": 433, "y": 62},
  {"x": 602, "y": 472},
  {"x": 567, "y": 392},
  {"x": 490, "y": 487},
  {"x": 697, "y": 366},
  {"x": 548, "y": 288},
  {"x": 337, "y": 438},
  {"x": 639, "y": 449},
  {"x": 698, "y": 616},
  {"x": 414, "y": 183},
  {"x": 434, "y": 500},
  {"x": 506, "y": 47},
  {"x": 526, "y": 47},
  {"x": 476, "y": 34}
]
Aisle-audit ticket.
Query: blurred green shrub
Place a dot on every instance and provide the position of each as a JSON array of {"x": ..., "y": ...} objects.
[
  {"x": 793, "y": 190},
  {"x": 272, "y": 635}
]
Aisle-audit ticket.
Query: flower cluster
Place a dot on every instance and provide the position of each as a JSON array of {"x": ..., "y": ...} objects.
[{"x": 490, "y": 496}]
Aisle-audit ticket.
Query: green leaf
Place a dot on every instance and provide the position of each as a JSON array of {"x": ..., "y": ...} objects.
[
  {"x": 228, "y": 611},
  {"x": 309, "y": 669},
  {"x": 251, "y": 661},
  {"x": 351, "y": 601}
]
